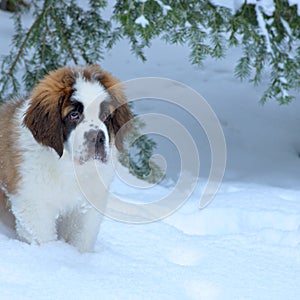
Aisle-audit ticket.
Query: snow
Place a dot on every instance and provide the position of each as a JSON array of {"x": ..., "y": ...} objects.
[
  {"x": 233, "y": 5},
  {"x": 261, "y": 6},
  {"x": 286, "y": 26},
  {"x": 268, "y": 8},
  {"x": 244, "y": 245},
  {"x": 165, "y": 8},
  {"x": 141, "y": 20},
  {"x": 187, "y": 24},
  {"x": 295, "y": 2}
]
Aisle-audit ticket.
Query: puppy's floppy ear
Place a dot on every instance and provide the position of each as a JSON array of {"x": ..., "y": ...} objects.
[
  {"x": 43, "y": 118},
  {"x": 121, "y": 115}
]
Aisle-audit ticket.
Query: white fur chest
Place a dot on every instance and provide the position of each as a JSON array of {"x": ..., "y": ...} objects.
[
  {"x": 45, "y": 177},
  {"x": 50, "y": 203}
]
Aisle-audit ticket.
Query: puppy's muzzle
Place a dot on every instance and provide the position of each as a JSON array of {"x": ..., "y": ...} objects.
[{"x": 97, "y": 144}]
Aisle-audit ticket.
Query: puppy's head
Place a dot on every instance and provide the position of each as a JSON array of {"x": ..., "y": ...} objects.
[{"x": 82, "y": 101}]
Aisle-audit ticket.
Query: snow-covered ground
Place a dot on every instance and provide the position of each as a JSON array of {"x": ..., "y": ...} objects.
[{"x": 244, "y": 245}]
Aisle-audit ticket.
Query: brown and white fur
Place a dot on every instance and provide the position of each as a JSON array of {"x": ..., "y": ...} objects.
[{"x": 42, "y": 136}]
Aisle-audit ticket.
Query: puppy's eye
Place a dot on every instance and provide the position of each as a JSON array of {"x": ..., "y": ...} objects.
[{"x": 74, "y": 115}]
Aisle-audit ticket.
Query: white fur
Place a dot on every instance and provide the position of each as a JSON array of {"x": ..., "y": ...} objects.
[
  {"x": 91, "y": 95},
  {"x": 50, "y": 203}
]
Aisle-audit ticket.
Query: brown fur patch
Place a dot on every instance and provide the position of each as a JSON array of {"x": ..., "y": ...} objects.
[
  {"x": 10, "y": 156},
  {"x": 49, "y": 99}
]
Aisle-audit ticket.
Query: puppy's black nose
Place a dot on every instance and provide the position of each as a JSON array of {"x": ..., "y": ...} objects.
[
  {"x": 100, "y": 140},
  {"x": 94, "y": 136},
  {"x": 100, "y": 151}
]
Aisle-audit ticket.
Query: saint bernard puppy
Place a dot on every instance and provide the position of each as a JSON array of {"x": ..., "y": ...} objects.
[{"x": 71, "y": 118}]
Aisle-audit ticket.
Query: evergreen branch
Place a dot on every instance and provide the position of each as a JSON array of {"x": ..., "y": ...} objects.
[
  {"x": 65, "y": 39},
  {"x": 205, "y": 21},
  {"x": 37, "y": 75},
  {"x": 21, "y": 49},
  {"x": 23, "y": 46}
]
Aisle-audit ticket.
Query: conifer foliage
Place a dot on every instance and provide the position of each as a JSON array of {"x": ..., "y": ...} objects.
[{"x": 74, "y": 32}]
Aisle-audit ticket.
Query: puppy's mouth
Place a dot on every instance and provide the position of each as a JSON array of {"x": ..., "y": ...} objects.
[
  {"x": 100, "y": 155},
  {"x": 94, "y": 147},
  {"x": 100, "y": 149}
]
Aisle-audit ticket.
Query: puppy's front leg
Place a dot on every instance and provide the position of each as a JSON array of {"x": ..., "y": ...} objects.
[
  {"x": 80, "y": 228},
  {"x": 32, "y": 226}
]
